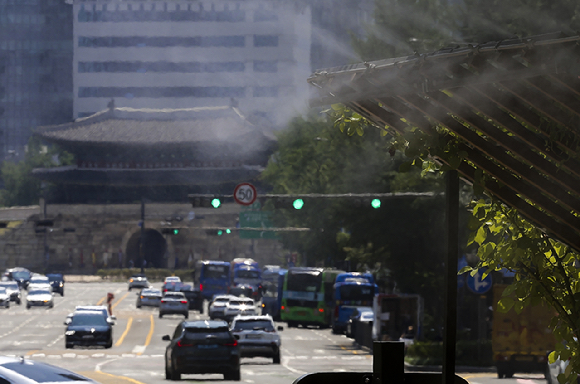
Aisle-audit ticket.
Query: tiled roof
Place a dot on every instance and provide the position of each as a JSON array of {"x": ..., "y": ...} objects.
[{"x": 158, "y": 126}]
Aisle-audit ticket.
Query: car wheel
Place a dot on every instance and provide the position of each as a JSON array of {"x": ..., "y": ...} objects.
[
  {"x": 27, "y": 306},
  {"x": 186, "y": 314},
  {"x": 167, "y": 373},
  {"x": 201, "y": 310},
  {"x": 62, "y": 294},
  {"x": 18, "y": 301},
  {"x": 277, "y": 358},
  {"x": 109, "y": 344},
  {"x": 68, "y": 346},
  {"x": 233, "y": 376},
  {"x": 160, "y": 315},
  {"x": 174, "y": 375}
]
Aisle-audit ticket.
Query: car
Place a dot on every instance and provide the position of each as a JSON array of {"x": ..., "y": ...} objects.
[
  {"x": 174, "y": 303},
  {"x": 150, "y": 297},
  {"x": 239, "y": 306},
  {"x": 20, "y": 275},
  {"x": 242, "y": 290},
  {"x": 172, "y": 279},
  {"x": 41, "y": 297},
  {"x": 360, "y": 314},
  {"x": 257, "y": 336},
  {"x": 13, "y": 290},
  {"x": 172, "y": 286},
  {"x": 4, "y": 298},
  {"x": 218, "y": 305},
  {"x": 138, "y": 281},
  {"x": 194, "y": 297},
  {"x": 88, "y": 328},
  {"x": 39, "y": 282},
  {"x": 102, "y": 309},
  {"x": 203, "y": 346},
  {"x": 23, "y": 370},
  {"x": 56, "y": 282}
]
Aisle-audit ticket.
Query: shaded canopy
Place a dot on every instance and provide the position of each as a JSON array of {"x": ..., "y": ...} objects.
[{"x": 515, "y": 105}]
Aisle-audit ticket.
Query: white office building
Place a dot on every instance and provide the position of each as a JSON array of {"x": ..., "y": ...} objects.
[{"x": 190, "y": 53}]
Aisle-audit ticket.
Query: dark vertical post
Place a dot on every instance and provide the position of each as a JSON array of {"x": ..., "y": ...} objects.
[
  {"x": 142, "y": 237},
  {"x": 388, "y": 362},
  {"x": 450, "y": 333}
]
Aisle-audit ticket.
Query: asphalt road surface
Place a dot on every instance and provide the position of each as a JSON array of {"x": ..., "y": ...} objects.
[{"x": 137, "y": 353}]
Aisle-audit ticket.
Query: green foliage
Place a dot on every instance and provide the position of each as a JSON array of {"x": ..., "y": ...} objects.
[
  {"x": 468, "y": 353},
  {"x": 153, "y": 274},
  {"x": 545, "y": 270},
  {"x": 20, "y": 187}
]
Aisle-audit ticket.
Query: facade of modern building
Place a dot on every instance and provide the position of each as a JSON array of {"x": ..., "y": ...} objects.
[
  {"x": 36, "y": 53},
  {"x": 187, "y": 54}
]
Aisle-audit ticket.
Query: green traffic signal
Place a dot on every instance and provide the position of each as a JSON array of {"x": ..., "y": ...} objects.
[
  {"x": 216, "y": 203},
  {"x": 298, "y": 203},
  {"x": 220, "y": 232},
  {"x": 228, "y": 231},
  {"x": 175, "y": 231},
  {"x": 376, "y": 203}
]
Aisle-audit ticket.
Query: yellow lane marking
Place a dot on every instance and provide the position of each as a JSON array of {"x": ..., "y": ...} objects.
[
  {"x": 95, "y": 376},
  {"x": 33, "y": 352},
  {"x": 149, "y": 335},
  {"x": 121, "y": 299},
  {"x": 476, "y": 375},
  {"x": 100, "y": 302},
  {"x": 120, "y": 341}
]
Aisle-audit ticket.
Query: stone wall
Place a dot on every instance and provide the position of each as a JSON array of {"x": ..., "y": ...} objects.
[{"x": 105, "y": 231}]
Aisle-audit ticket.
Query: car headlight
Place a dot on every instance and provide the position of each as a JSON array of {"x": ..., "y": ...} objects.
[
  {"x": 69, "y": 333},
  {"x": 61, "y": 284}
]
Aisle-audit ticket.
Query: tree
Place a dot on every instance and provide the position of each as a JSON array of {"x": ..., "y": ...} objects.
[
  {"x": 404, "y": 237},
  {"x": 20, "y": 187}
]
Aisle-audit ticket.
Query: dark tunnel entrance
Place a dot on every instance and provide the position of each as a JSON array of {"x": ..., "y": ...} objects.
[{"x": 154, "y": 247}]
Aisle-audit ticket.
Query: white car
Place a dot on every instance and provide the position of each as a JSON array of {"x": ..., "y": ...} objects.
[
  {"x": 39, "y": 282},
  {"x": 22, "y": 370},
  {"x": 4, "y": 298},
  {"x": 258, "y": 336},
  {"x": 172, "y": 279},
  {"x": 239, "y": 306},
  {"x": 39, "y": 298},
  {"x": 218, "y": 305}
]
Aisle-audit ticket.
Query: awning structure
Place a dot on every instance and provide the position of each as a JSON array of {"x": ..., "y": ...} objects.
[{"x": 515, "y": 105}]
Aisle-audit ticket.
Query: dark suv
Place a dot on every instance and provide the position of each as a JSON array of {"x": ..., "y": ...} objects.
[
  {"x": 203, "y": 346},
  {"x": 56, "y": 282}
]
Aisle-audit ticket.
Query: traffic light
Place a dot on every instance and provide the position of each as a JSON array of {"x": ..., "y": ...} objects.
[
  {"x": 215, "y": 202},
  {"x": 298, "y": 203},
  {"x": 376, "y": 203},
  {"x": 217, "y": 232},
  {"x": 170, "y": 231},
  {"x": 206, "y": 202}
]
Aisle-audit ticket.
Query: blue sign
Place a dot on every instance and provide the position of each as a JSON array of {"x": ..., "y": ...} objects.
[{"x": 477, "y": 285}]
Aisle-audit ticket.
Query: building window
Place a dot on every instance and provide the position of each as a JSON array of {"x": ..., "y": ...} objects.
[
  {"x": 266, "y": 66},
  {"x": 159, "y": 16},
  {"x": 159, "y": 66},
  {"x": 263, "y": 15},
  {"x": 265, "y": 92},
  {"x": 265, "y": 41},
  {"x": 161, "y": 92},
  {"x": 162, "y": 41}
]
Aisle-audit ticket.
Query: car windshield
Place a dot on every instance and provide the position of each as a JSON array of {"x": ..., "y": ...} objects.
[
  {"x": 54, "y": 277},
  {"x": 9, "y": 285},
  {"x": 151, "y": 292},
  {"x": 43, "y": 373},
  {"x": 21, "y": 275},
  {"x": 243, "y": 325},
  {"x": 39, "y": 280},
  {"x": 88, "y": 319},
  {"x": 38, "y": 292}
]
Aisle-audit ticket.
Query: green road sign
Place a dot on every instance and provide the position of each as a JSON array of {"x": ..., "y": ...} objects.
[{"x": 256, "y": 219}]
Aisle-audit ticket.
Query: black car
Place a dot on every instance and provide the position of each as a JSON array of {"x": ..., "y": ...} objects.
[
  {"x": 88, "y": 328},
  {"x": 20, "y": 275},
  {"x": 204, "y": 346},
  {"x": 56, "y": 282},
  {"x": 194, "y": 297}
]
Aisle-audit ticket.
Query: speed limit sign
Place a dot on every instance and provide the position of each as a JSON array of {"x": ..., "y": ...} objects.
[{"x": 245, "y": 194}]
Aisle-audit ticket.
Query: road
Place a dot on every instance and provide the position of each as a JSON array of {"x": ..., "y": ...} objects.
[{"x": 137, "y": 353}]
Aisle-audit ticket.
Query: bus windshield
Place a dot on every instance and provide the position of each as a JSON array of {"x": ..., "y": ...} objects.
[
  {"x": 245, "y": 274},
  {"x": 215, "y": 272},
  {"x": 356, "y": 292},
  {"x": 304, "y": 282}
]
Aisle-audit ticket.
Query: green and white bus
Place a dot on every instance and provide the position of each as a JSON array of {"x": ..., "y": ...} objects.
[{"x": 307, "y": 296}]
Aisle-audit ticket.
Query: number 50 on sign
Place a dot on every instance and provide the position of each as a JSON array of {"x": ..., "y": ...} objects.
[{"x": 245, "y": 194}]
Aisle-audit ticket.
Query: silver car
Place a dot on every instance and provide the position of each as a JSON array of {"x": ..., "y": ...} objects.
[
  {"x": 39, "y": 298},
  {"x": 239, "y": 306},
  {"x": 4, "y": 298},
  {"x": 149, "y": 297},
  {"x": 13, "y": 290},
  {"x": 218, "y": 305},
  {"x": 257, "y": 336},
  {"x": 174, "y": 303}
]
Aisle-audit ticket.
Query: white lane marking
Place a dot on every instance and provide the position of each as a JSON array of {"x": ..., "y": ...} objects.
[
  {"x": 55, "y": 341},
  {"x": 321, "y": 351},
  {"x": 19, "y": 326},
  {"x": 100, "y": 365},
  {"x": 249, "y": 381},
  {"x": 98, "y": 355},
  {"x": 138, "y": 349},
  {"x": 82, "y": 356}
]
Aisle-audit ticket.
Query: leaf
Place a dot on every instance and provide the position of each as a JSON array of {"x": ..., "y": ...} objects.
[
  {"x": 481, "y": 235},
  {"x": 505, "y": 304},
  {"x": 338, "y": 107}
]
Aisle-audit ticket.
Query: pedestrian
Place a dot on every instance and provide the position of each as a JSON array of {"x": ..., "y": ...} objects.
[
  {"x": 131, "y": 264},
  {"x": 110, "y": 298}
]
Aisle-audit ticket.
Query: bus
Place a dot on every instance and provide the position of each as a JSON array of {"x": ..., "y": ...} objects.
[
  {"x": 343, "y": 276},
  {"x": 272, "y": 284},
  {"x": 213, "y": 277},
  {"x": 350, "y": 293},
  {"x": 306, "y": 296}
]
